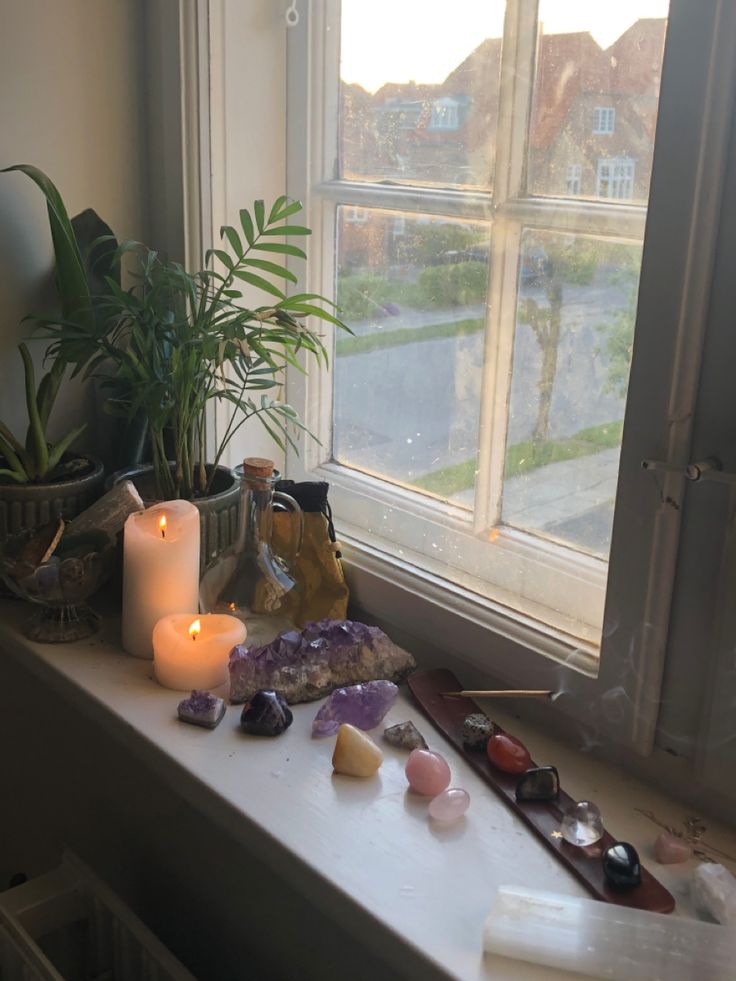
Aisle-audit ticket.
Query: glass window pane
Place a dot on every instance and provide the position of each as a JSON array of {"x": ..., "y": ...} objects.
[
  {"x": 419, "y": 93},
  {"x": 407, "y": 385},
  {"x": 596, "y": 92},
  {"x": 572, "y": 350}
]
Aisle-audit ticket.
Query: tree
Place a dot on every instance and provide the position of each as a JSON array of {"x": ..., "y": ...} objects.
[{"x": 557, "y": 262}]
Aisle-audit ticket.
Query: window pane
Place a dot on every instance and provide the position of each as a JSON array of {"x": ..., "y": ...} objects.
[
  {"x": 572, "y": 349},
  {"x": 419, "y": 93},
  {"x": 407, "y": 385},
  {"x": 596, "y": 92}
]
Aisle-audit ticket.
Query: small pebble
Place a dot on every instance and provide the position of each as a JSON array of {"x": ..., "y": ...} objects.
[
  {"x": 621, "y": 865},
  {"x": 671, "y": 850},
  {"x": 405, "y": 735},
  {"x": 508, "y": 753},
  {"x": 450, "y": 805},
  {"x": 582, "y": 824},
  {"x": 355, "y": 754},
  {"x": 428, "y": 773}
]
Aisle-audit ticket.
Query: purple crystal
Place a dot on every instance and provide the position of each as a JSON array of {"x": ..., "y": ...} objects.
[
  {"x": 362, "y": 706},
  {"x": 266, "y": 714},
  {"x": 202, "y": 709},
  {"x": 308, "y": 664}
]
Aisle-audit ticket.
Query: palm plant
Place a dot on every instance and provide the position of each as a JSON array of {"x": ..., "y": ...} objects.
[{"x": 176, "y": 343}]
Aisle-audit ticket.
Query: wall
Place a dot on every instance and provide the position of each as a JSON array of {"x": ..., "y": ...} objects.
[{"x": 71, "y": 102}]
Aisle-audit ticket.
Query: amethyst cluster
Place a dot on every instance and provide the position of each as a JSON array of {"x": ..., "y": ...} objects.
[
  {"x": 327, "y": 654},
  {"x": 202, "y": 709}
]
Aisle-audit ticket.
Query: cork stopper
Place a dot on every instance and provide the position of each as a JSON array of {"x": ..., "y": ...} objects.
[{"x": 257, "y": 466}]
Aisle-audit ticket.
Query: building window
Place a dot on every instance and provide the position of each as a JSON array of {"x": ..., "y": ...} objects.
[
  {"x": 615, "y": 178},
  {"x": 356, "y": 216},
  {"x": 573, "y": 178},
  {"x": 604, "y": 120},
  {"x": 444, "y": 114}
]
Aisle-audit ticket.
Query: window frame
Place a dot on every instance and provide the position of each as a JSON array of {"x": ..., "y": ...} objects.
[
  {"x": 642, "y": 563},
  {"x": 605, "y": 114}
]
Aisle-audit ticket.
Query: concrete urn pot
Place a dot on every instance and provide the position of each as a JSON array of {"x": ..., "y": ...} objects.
[
  {"x": 27, "y": 506},
  {"x": 218, "y": 512}
]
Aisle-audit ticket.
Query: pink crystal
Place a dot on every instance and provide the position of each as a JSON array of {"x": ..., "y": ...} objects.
[
  {"x": 427, "y": 772},
  {"x": 669, "y": 850},
  {"x": 362, "y": 706},
  {"x": 450, "y": 805}
]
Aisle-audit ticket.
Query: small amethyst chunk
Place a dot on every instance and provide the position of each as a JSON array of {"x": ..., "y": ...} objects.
[
  {"x": 202, "y": 709},
  {"x": 266, "y": 714},
  {"x": 362, "y": 706},
  {"x": 327, "y": 654}
]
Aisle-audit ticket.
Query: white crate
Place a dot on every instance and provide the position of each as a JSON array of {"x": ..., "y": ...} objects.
[{"x": 119, "y": 947}]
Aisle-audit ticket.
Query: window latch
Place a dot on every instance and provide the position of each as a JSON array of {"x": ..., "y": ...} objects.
[{"x": 708, "y": 469}]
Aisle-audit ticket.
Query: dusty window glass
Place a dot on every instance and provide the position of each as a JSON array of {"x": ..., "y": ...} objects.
[
  {"x": 576, "y": 311},
  {"x": 419, "y": 93},
  {"x": 595, "y": 99},
  {"x": 407, "y": 385}
]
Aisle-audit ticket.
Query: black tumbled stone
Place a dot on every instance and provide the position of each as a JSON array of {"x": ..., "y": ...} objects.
[
  {"x": 621, "y": 865},
  {"x": 538, "y": 783},
  {"x": 266, "y": 714}
]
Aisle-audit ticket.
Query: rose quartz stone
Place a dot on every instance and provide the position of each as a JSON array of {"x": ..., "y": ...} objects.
[
  {"x": 427, "y": 772},
  {"x": 450, "y": 805},
  {"x": 669, "y": 850}
]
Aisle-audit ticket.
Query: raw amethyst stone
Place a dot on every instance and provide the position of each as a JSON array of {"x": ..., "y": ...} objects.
[
  {"x": 266, "y": 714},
  {"x": 202, "y": 709},
  {"x": 362, "y": 706},
  {"x": 305, "y": 665}
]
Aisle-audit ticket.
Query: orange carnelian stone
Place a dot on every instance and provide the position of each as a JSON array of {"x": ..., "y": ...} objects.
[{"x": 508, "y": 754}]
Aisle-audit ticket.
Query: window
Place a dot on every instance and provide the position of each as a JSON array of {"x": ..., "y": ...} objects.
[
  {"x": 615, "y": 178},
  {"x": 605, "y": 117},
  {"x": 572, "y": 181},
  {"x": 356, "y": 216},
  {"x": 427, "y": 558},
  {"x": 472, "y": 424}
]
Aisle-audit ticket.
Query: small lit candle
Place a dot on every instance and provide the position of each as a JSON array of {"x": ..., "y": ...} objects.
[
  {"x": 160, "y": 570},
  {"x": 191, "y": 651}
]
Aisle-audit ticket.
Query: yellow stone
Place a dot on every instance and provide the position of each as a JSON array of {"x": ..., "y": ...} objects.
[{"x": 356, "y": 755}]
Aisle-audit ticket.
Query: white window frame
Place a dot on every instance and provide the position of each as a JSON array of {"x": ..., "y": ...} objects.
[
  {"x": 662, "y": 395},
  {"x": 445, "y": 114},
  {"x": 605, "y": 120},
  {"x": 615, "y": 178}
]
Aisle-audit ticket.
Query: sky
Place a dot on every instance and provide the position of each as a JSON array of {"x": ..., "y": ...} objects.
[{"x": 423, "y": 40}]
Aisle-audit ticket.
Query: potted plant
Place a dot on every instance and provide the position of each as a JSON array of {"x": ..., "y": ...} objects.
[
  {"x": 177, "y": 343},
  {"x": 39, "y": 481}
]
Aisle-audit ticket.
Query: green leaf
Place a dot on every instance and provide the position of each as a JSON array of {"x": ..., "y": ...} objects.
[
  {"x": 259, "y": 282},
  {"x": 288, "y": 230},
  {"x": 260, "y": 212},
  {"x": 274, "y": 268},
  {"x": 63, "y": 445},
  {"x": 284, "y": 248},
  {"x": 246, "y": 223},
  {"x": 70, "y": 275},
  {"x": 36, "y": 443},
  {"x": 233, "y": 238},
  {"x": 283, "y": 209}
]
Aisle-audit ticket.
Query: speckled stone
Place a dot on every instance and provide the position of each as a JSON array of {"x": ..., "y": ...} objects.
[
  {"x": 477, "y": 728},
  {"x": 405, "y": 735}
]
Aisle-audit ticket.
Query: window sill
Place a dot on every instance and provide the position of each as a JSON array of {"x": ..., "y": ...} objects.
[{"x": 362, "y": 851}]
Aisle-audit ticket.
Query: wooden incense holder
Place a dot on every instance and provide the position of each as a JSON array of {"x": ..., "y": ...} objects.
[{"x": 543, "y": 818}]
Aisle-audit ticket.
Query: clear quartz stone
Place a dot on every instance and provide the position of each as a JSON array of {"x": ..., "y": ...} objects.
[{"x": 582, "y": 824}]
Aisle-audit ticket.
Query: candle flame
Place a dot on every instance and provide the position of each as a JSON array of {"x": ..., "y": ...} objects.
[
  {"x": 162, "y": 525},
  {"x": 195, "y": 629}
]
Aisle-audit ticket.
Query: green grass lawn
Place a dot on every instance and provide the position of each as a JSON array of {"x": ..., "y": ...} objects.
[
  {"x": 406, "y": 335},
  {"x": 523, "y": 457}
]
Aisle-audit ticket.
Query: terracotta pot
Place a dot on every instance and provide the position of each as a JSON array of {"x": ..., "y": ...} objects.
[
  {"x": 30, "y": 505},
  {"x": 218, "y": 511}
]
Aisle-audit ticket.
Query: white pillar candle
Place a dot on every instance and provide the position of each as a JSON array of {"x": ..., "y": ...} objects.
[
  {"x": 191, "y": 651},
  {"x": 160, "y": 570}
]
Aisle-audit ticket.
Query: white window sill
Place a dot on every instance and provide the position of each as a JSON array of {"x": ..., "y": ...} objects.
[{"x": 363, "y": 851}]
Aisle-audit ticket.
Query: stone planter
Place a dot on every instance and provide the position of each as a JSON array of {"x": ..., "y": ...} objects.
[
  {"x": 30, "y": 505},
  {"x": 218, "y": 511}
]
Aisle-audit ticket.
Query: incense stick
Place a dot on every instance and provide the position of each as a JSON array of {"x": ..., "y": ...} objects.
[{"x": 510, "y": 693}]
